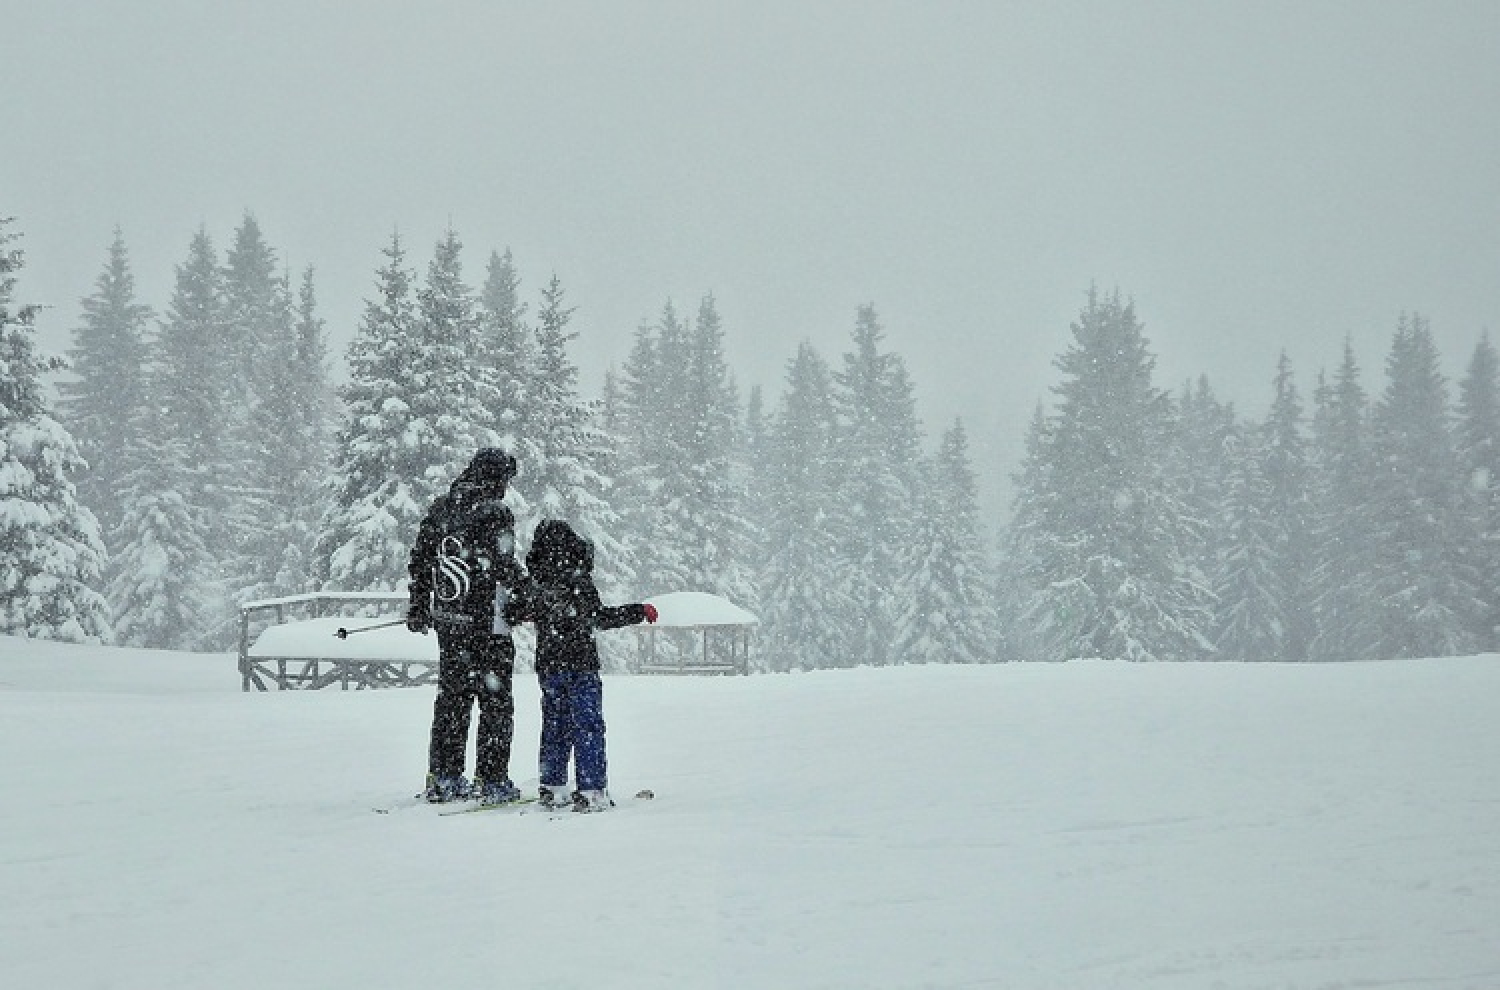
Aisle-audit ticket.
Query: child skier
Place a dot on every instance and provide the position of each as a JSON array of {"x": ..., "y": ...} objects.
[{"x": 560, "y": 598}]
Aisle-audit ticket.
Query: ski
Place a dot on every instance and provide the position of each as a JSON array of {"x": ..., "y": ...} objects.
[
  {"x": 416, "y": 801},
  {"x": 521, "y": 806},
  {"x": 558, "y": 814},
  {"x": 502, "y": 806}
]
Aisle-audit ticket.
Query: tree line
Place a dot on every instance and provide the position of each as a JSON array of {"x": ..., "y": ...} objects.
[
  {"x": 199, "y": 458},
  {"x": 1153, "y": 527}
]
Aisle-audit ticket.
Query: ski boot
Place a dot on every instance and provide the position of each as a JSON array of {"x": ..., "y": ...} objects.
[
  {"x": 500, "y": 791},
  {"x": 441, "y": 790},
  {"x": 555, "y": 797},
  {"x": 590, "y": 801}
]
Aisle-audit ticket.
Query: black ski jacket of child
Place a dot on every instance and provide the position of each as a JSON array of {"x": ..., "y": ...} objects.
[{"x": 561, "y": 599}]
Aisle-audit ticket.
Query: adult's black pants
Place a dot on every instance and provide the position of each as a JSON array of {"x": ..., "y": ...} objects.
[{"x": 473, "y": 667}]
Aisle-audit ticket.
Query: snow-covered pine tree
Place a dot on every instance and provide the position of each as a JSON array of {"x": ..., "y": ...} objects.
[
  {"x": 254, "y": 304},
  {"x": 611, "y": 403},
  {"x": 564, "y": 453},
  {"x": 757, "y": 429},
  {"x": 1114, "y": 548},
  {"x": 51, "y": 554},
  {"x": 257, "y": 328},
  {"x": 1479, "y": 458},
  {"x": 286, "y": 442},
  {"x": 651, "y": 487},
  {"x": 159, "y": 591},
  {"x": 948, "y": 610},
  {"x": 1250, "y": 621},
  {"x": 808, "y": 620},
  {"x": 1343, "y": 586},
  {"x": 189, "y": 381},
  {"x": 191, "y": 396},
  {"x": 449, "y": 369},
  {"x": 102, "y": 405},
  {"x": 378, "y": 489},
  {"x": 1028, "y": 552},
  {"x": 1206, "y": 428},
  {"x": 713, "y": 527},
  {"x": 880, "y": 446},
  {"x": 1426, "y": 586},
  {"x": 563, "y": 461},
  {"x": 508, "y": 350},
  {"x": 1288, "y": 473},
  {"x": 315, "y": 448}
]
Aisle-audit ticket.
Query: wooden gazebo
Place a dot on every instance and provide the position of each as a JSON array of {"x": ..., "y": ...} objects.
[{"x": 713, "y": 636}]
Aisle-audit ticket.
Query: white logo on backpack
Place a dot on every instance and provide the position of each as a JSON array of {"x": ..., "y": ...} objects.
[{"x": 453, "y": 571}]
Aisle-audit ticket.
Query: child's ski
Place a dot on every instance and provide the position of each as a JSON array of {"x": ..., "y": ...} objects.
[{"x": 555, "y": 814}]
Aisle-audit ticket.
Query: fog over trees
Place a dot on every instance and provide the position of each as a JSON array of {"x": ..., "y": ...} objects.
[{"x": 195, "y": 454}]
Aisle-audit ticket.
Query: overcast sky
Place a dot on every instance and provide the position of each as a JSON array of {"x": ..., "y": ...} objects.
[{"x": 1256, "y": 176}]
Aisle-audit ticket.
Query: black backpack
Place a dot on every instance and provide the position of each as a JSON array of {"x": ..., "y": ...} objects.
[{"x": 473, "y": 563}]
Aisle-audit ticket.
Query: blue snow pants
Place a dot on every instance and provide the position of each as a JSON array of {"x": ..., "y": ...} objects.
[{"x": 573, "y": 726}]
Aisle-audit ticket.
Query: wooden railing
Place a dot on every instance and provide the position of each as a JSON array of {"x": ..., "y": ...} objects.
[{"x": 308, "y": 665}]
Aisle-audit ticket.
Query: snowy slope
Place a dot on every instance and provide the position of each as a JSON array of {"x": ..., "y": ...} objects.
[{"x": 1069, "y": 826}]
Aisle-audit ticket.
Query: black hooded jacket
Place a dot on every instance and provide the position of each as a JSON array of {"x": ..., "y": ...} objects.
[
  {"x": 465, "y": 550},
  {"x": 561, "y": 599}
]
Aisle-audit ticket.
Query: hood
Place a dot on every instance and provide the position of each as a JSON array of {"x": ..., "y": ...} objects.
[{"x": 558, "y": 553}]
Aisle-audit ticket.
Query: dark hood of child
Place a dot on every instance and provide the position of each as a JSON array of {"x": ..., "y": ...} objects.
[{"x": 563, "y": 602}]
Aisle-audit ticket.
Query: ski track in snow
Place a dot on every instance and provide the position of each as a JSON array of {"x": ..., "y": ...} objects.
[{"x": 1039, "y": 826}]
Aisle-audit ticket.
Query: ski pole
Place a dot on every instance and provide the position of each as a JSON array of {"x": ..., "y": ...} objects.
[{"x": 346, "y": 633}]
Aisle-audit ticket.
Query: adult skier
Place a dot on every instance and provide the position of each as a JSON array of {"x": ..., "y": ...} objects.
[{"x": 463, "y": 568}]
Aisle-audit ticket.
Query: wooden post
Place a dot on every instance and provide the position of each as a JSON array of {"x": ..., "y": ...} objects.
[{"x": 244, "y": 649}]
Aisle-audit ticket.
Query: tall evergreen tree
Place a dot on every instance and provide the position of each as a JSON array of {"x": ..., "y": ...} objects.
[
  {"x": 757, "y": 428},
  {"x": 1479, "y": 457},
  {"x": 647, "y": 453},
  {"x": 190, "y": 383},
  {"x": 158, "y": 589},
  {"x": 1288, "y": 474},
  {"x": 1206, "y": 431},
  {"x": 880, "y": 446},
  {"x": 948, "y": 611},
  {"x": 287, "y": 440},
  {"x": 255, "y": 376},
  {"x": 611, "y": 402},
  {"x": 1251, "y": 624},
  {"x": 1426, "y": 586},
  {"x": 564, "y": 453},
  {"x": 378, "y": 489},
  {"x": 50, "y": 568},
  {"x": 564, "y": 458},
  {"x": 1113, "y": 552},
  {"x": 809, "y": 621},
  {"x": 508, "y": 350},
  {"x": 413, "y": 416},
  {"x": 1343, "y": 578},
  {"x": 103, "y": 405},
  {"x": 447, "y": 377},
  {"x": 254, "y": 303},
  {"x": 1026, "y": 549},
  {"x": 713, "y": 526},
  {"x": 190, "y": 396}
]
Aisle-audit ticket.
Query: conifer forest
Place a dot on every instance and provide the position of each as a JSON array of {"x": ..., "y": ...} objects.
[{"x": 191, "y": 453}]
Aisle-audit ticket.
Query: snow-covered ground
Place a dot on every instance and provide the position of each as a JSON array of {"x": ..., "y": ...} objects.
[{"x": 1071, "y": 826}]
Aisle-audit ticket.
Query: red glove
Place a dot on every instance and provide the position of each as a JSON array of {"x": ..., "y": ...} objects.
[{"x": 650, "y": 612}]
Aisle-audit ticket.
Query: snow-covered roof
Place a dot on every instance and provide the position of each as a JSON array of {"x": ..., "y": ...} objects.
[
  {"x": 699, "y": 608},
  {"x": 316, "y": 638},
  {"x": 345, "y": 596}
]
